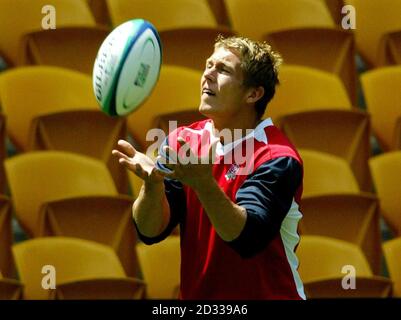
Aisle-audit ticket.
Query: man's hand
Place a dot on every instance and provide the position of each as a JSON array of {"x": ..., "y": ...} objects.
[
  {"x": 137, "y": 162},
  {"x": 195, "y": 172}
]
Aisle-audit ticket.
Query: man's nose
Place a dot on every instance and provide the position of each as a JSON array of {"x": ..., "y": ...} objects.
[{"x": 209, "y": 74}]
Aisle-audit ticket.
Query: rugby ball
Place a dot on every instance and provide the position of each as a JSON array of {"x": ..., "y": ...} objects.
[{"x": 127, "y": 67}]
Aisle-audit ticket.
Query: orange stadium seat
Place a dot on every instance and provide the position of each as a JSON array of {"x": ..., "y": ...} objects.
[
  {"x": 386, "y": 173},
  {"x": 60, "y": 111},
  {"x": 163, "y": 14},
  {"x": 305, "y": 89},
  {"x": 38, "y": 177},
  {"x": 350, "y": 217},
  {"x": 72, "y": 259},
  {"x": 381, "y": 88},
  {"x": 343, "y": 133},
  {"x": 375, "y": 20},
  {"x": 321, "y": 263},
  {"x": 103, "y": 219},
  {"x": 392, "y": 253},
  {"x": 18, "y": 18}
]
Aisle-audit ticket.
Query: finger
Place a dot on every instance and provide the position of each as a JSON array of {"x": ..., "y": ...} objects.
[
  {"x": 127, "y": 147},
  {"x": 120, "y": 155}
]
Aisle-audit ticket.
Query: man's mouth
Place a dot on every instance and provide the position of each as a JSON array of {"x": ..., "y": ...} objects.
[{"x": 208, "y": 92}]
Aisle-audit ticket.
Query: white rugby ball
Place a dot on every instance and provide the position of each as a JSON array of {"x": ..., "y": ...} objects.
[{"x": 127, "y": 67}]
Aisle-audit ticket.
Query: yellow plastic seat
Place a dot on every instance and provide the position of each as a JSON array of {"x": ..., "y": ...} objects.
[
  {"x": 3, "y": 152},
  {"x": 100, "y": 11},
  {"x": 338, "y": 46},
  {"x": 6, "y": 238},
  {"x": 177, "y": 90},
  {"x": 20, "y": 17},
  {"x": 321, "y": 263},
  {"x": 305, "y": 89},
  {"x": 382, "y": 93},
  {"x": 326, "y": 174},
  {"x": 38, "y": 177},
  {"x": 163, "y": 14},
  {"x": 219, "y": 10},
  {"x": 72, "y": 259},
  {"x": 69, "y": 47},
  {"x": 160, "y": 265},
  {"x": 350, "y": 217},
  {"x": 392, "y": 253},
  {"x": 266, "y": 16},
  {"x": 190, "y": 47},
  {"x": 374, "y": 19},
  {"x": 343, "y": 133},
  {"x": 58, "y": 112},
  {"x": 386, "y": 173},
  {"x": 103, "y": 219},
  {"x": 100, "y": 289}
]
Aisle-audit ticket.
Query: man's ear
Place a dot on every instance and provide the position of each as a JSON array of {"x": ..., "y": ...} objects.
[{"x": 254, "y": 94}]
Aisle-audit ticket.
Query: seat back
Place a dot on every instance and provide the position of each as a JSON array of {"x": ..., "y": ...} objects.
[
  {"x": 103, "y": 219},
  {"x": 265, "y": 16},
  {"x": 160, "y": 265},
  {"x": 350, "y": 217},
  {"x": 70, "y": 259},
  {"x": 163, "y": 14},
  {"x": 38, "y": 177},
  {"x": 326, "y": 174},
  {"x": 323, "y": 258},
  {"x": 386, "y": 173},
  {"x": 32, "y": 91},
  {"x": 305, "y": 89},
  {"x": 343, "y": 133},
  {"x": 99, "y": 289},
  {"x": 374, "y": 20},
  {"x": 20, "y": 17},
  {"x": 392, "y": 253},
  {"x": 382, "y": 95}
]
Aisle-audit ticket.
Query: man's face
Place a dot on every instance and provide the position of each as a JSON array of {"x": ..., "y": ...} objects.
[{"x": 222, "y": 92}]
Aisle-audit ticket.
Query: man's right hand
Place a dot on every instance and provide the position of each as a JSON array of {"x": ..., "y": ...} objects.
[{"x": 137, "y": 162}]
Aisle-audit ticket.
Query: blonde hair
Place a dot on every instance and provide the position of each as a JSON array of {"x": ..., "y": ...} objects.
[{"x": 259, "y": 64}]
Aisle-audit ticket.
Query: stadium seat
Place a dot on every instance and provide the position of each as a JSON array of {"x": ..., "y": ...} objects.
[
  {"x": 99, "y": 11},
  {"x": 6, "y": 238},
  {"x": 343, "y": 133},
  {"x": 190, "y": 47},
  {"x": 73, "y": 48},
  {"x": 163, "y": 14},
  {"x": 266, "y": 16},
  {"x": 72, "y": 259},
  {"x": 375, "y": 20},
  {"x": 390, "y": 49},
  {"x": 177, "y": 90},
  {"x": 350, "y": 217},
  {"x": 219, "y": 10},
  {"x": 321, "y": 263},
  {"x": 392, "y": 253},
  {"x": 338, "y": 46},
  {"x": 38, "y": 177},
  {"x": 3, "y": 152},
  {"x": 161, "y": 285},
  {"x": 99, "y": 289},
  {"x": 305, "y": 89},
  {"x": 381, "y": 88},
  {"x": 103, "y": 219},
  {"x": 20, "y": 17},
  {"x": 51, "y": 108},
  {"x": 326, "y": 174},
  {"x": 386, "y": 173},
  {"x": 10, "y": 289}
]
